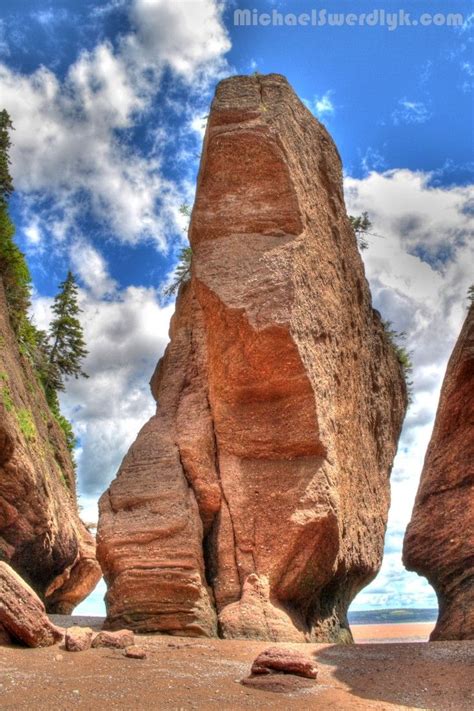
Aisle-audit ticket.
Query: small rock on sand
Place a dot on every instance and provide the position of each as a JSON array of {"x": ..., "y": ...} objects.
[
  {"x": 135, "y": 652},
  {"x": 284, "y": 661},
  {"x": 78, "y": 639}
]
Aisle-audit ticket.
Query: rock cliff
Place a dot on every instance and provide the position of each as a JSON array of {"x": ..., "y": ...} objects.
[
  {"x": 254, "y": 503},
  {"x": 439, "y": 541},
  {"x": 41, "y": 534}
]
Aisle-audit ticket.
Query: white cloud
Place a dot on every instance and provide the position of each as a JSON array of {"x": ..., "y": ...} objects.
[
  {"x": 322, "y": 106},
  {"x": 125, "y": 335},
  {"x": 90, "y": 266},
  {"x": 410, "y": 112},
  {"x": 419, "y": 270},
  {"x": 33, "y": 233},
  {"x": 70, "y": 142},
  {"x": 188, "y": 35}
]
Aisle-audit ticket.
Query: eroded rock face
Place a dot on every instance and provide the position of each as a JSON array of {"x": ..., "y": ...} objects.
[
  {"x": 41, "y": 534},
  {"x": 439, "y": 541},
  {"x": 22, "y": 614},
  {"x": 254, "y": 503}
]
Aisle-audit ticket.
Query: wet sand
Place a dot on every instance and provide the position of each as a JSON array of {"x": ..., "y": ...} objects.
[
  {"x": 400, "y": 632},
  {"x": 184, "y": 673}
]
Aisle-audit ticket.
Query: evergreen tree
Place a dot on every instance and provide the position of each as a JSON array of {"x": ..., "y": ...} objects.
[
  {"x": 361, "y": 226},
  {"x": 68, "y": 348}
]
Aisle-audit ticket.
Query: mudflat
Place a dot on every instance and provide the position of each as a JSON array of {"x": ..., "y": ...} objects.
[
  {"x": 399, "y": 632},
  {"x": 185, "y": 673}
]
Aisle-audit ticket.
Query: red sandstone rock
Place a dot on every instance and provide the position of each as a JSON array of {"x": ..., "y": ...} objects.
[
  {"x": 135, "y": 652},
  {"x": 22, "y": 613},
  {"x": 4, "y": 637},
  {"x": 115, "y": 640},
  {"x": 284, "y": 661},
  {"x": 439, "y": 541},
  {"x": 78, "y": 639},
  {"x": 41, "y": 534},
  {"x": 258, "y": 494}
]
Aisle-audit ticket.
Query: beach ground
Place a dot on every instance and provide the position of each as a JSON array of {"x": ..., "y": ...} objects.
[{"x": 183, "y": 673}]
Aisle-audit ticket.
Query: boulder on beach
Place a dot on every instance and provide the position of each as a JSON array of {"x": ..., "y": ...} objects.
[{"x": 22, "y": 614}]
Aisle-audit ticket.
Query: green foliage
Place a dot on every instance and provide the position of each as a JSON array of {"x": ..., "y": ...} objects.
[
  {"x": 27, "y": 425},
  {"x": 361, "y": 226},
  {"x": 64, "y": 423},
  {"x": 69, "y": 348},
  {"x": 470, "y": 294},
  {"x": 5, "y": 393},
  {"x": 185, "y": 209},
  {"x": 13, "y": 267},
  {"x": 51, "y": 363},
  {"x": 182, "y": 272},
  {"x": 396, "y": 339},
  {"x": 6, "y": 182}
]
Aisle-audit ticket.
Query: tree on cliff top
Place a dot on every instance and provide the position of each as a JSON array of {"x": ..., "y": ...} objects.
[{"x": 68, "y": 348}]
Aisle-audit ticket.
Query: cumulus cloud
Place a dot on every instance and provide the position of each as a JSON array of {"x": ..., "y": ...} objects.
[
  {"x": 126, "y": 335},
  {"x": 419, "y": 267},
  {"x": 188, "y": 35},
  {"x": 70, "y": 142},
  {"x": 91, "y": 267},
  {"x": 410, "y": 112}
]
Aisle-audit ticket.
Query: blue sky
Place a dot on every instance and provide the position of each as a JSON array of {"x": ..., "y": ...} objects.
[{"x": 109, "y": 101}]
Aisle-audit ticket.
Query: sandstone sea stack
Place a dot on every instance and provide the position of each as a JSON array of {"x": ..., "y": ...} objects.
[
  {"x": 439, "y": 542},
  {"x": 254, "y": 503},
  {"x": 41, "y": 534}
]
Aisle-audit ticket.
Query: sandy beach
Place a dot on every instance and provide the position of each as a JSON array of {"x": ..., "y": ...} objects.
[
  {"x": 400, "y": 632},
  {"x": 184, "y": 673}
]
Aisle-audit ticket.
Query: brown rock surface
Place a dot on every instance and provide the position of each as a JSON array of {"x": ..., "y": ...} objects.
[
  {"x": 254, "y": 503},
  {"x": 22, "y": 614},
  {"x": 41, "y": 534},
  {"x": 4, "y": 637},
  {"x": 78, "y": 639},
  {"x": 135, "y": 652},
  {"x": 439, "y": 541},
  {"x": 114, "y": 640},
  {"x": 284, "y": 661}
]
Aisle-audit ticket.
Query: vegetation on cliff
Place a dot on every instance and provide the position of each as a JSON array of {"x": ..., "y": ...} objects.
[{"x": 58, "y": 353}]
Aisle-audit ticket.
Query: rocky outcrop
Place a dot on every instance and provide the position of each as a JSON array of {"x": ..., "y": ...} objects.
[
  {"x": 41, "y": 534},
  {"x": 439, "y": 541},
  {"x": 22, "y": 614},
  {"x": 254, "y": 503}
]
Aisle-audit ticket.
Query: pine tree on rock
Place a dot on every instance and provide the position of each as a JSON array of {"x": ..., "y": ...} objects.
[{"x": 68, "y": 348}]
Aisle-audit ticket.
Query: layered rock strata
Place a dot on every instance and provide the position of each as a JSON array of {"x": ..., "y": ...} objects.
[
  {"x": 41, "y": 534},
  {"x": 439, "y": 541},
  {"x": 254, "y": 503}
]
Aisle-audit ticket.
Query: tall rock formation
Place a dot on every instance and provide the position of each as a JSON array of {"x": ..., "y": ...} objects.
[
  {"x": 254, "y": 503},
  {"x": 439, "y": 541},
  {"x": 41, "y": 534}
]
